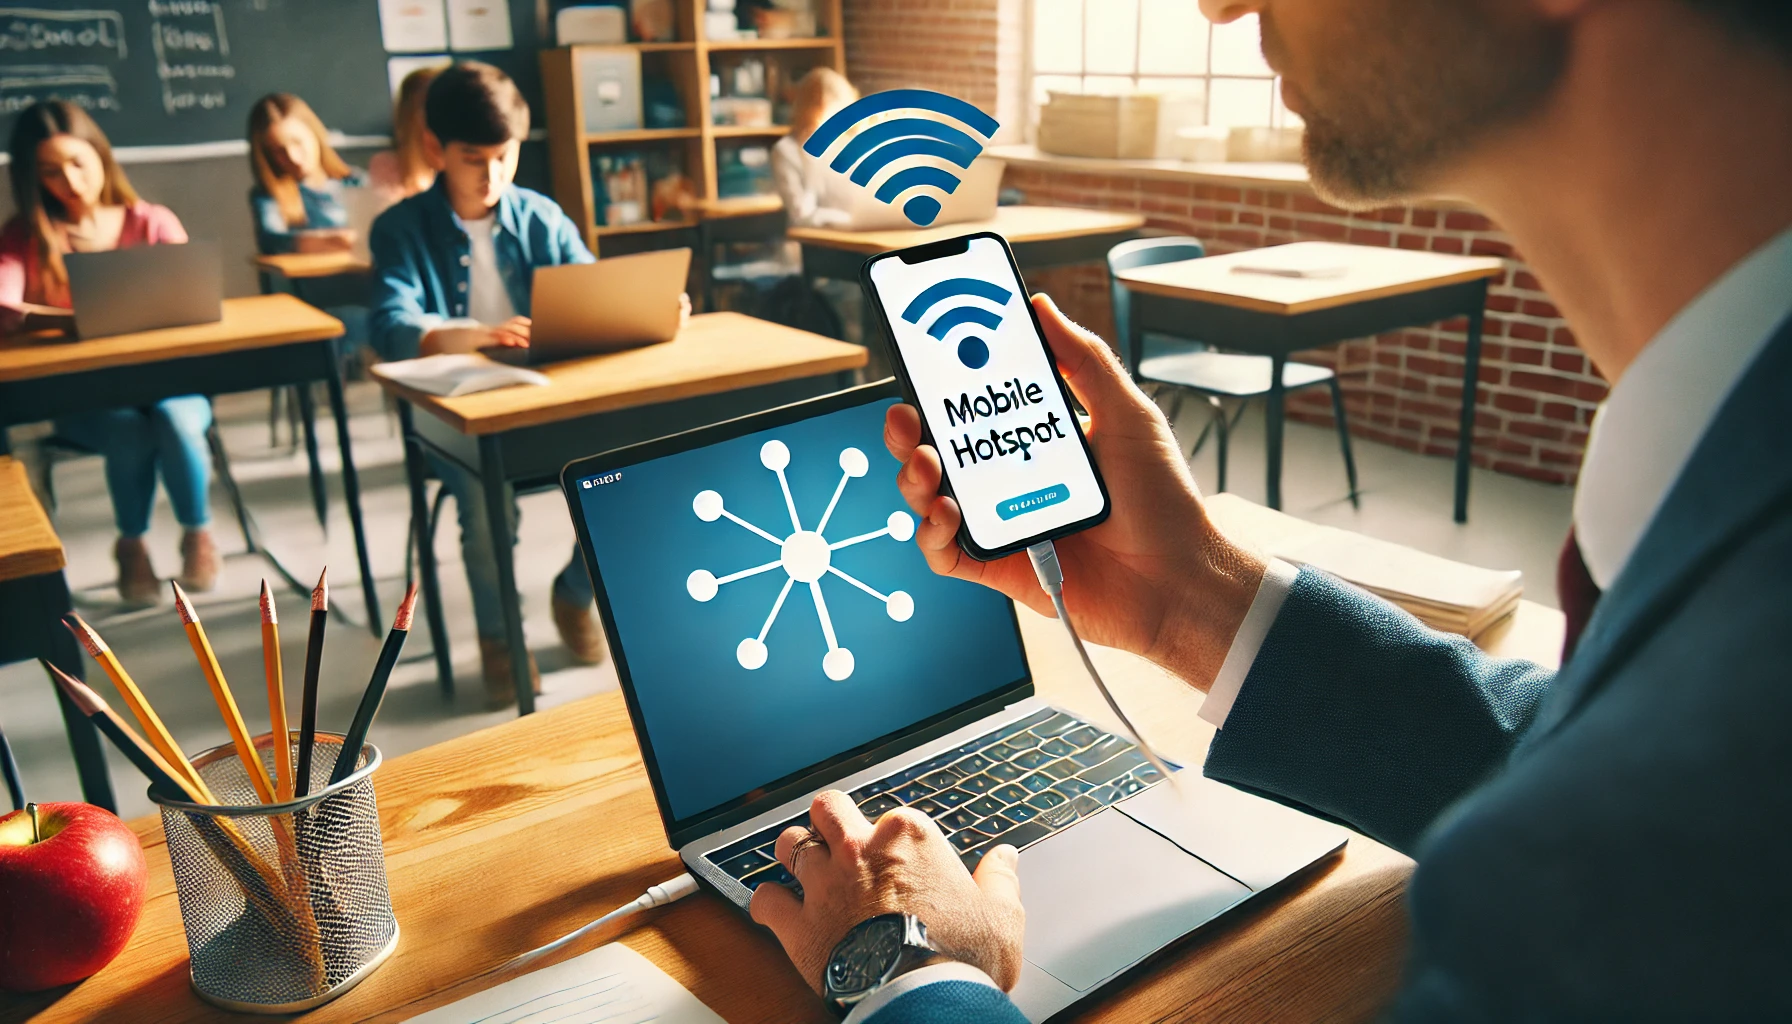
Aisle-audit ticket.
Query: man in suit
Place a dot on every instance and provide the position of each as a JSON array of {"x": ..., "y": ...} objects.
[{"x": 1604, "y": 842}]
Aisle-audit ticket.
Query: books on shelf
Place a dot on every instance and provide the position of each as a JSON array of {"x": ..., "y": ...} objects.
[
  {"x": 1449, "y": 596},
  {"x": 451, "y": 376}
]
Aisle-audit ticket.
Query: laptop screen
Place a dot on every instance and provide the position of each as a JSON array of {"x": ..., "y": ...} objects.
[{"x": 771, "y": 613}]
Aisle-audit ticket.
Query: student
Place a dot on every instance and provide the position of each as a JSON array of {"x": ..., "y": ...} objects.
[
  {"x": 452, "y": 272},
  {"x": 72, "y": 196},
  {"x": 297, "y": 179},
  {"x": 404, "y": 170},
  {"x": 814, "y": 196}
]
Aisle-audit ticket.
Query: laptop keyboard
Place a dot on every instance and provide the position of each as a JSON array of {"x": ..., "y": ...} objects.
[{"x": 1016, "y": 785}]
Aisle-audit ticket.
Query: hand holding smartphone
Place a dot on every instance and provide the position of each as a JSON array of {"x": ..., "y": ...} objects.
[{"x": 974, "y": 360}]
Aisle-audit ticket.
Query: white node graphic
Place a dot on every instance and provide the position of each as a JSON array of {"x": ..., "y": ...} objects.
[{"x": 805, "y": 556}]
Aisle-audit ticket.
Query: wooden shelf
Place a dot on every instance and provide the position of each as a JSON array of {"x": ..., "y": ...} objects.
[
  {"x": 640, "y": 135},
  {"x": 817, "y": 43},
  {"x": 671, "y": 47},
  {"x": 643, "y": 228},
  {"x": 738, "y": 131}
]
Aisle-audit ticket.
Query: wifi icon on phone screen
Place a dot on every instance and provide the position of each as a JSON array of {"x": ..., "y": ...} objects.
[
  {"x": 973, "y": 351},
  {"x": 907, "y": 143}
]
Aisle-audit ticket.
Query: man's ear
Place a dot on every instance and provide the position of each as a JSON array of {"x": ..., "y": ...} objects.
[{"x": 433, "y": 152}]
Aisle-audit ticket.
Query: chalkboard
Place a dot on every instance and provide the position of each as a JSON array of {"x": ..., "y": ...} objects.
[{"x": 174, "y": 72}]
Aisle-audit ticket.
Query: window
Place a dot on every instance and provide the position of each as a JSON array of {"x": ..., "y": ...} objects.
[{"x": 1121, "y": 46}]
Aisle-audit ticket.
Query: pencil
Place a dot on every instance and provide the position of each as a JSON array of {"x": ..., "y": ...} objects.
[
  {"x": 15, "y": 786},
  {"x": 259, "y": 881},
  {"x": 157, "y": 733},
  {"x": 214, "y": 677},
  {"x": 314, "y": 656},
  {"x": 276, "y": 675},
  {"x": 356, "y": 736}
]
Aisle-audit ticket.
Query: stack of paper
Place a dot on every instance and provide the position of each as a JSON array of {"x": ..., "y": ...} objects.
[
  {"x": 1445, "y": 595},
  {"x": 612, "y": 984},
  {"x": 454, "y": 375}
]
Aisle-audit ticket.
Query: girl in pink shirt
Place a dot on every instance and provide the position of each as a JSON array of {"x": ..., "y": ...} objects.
[{"x": 73, "y": 197}]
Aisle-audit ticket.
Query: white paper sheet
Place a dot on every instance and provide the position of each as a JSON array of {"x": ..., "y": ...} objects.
[
  {"x": 610, "y": 985},
  {"x": 479, "y": 24},
  {"x": 413, "y": 26}
]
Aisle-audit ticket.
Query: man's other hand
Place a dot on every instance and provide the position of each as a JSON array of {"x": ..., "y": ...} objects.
[
  {"x": 903, "y": 864},
  {"x": 512, "y": 333}
]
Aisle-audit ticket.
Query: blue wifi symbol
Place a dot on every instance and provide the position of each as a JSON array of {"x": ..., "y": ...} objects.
[
  {"x": 973, "y": 351},
  {"x": 905, "y": 138}
]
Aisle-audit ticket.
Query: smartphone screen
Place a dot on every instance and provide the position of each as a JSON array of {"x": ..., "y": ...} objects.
[{"x": 989, "y": 393}]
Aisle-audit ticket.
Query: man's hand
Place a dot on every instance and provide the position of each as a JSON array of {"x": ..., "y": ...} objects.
[
  {"x": 903, "y": 864},
  {"x": 1156, "y": 579},
  {"x": 512, "y": 333}
]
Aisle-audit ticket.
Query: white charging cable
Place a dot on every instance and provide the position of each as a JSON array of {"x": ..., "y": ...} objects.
[
  {"x": 1051, "y": 577},
  {"x": 670, "y": 891}
]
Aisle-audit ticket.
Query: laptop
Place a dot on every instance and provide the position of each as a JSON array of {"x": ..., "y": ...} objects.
[
  {"x": 144, "y": 288},
  {"x": 975, "y": 199},
  {"x": 776, "y": 633},
  {"x": 583, "y": 309}
]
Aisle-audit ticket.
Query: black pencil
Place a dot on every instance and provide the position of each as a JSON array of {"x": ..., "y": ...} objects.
[
  {"x": 160, "y": 773},
  {"x": 15, "y": 786},
  {"x": 356, "y": 736},
  {"x": 314, "y": 656}
]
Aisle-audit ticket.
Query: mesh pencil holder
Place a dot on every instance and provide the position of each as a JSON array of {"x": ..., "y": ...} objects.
[{"x": 285, "y": 905}]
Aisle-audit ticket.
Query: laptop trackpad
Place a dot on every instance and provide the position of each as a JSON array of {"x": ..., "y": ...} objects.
[{"x": 1109, "y": 892}]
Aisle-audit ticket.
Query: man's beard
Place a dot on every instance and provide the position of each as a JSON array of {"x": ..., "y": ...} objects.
[{"x": 1403, "y": 87}]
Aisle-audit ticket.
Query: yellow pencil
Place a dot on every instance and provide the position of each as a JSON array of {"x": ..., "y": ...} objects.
[
  {"x": 158, "y": 734},
  {"x": 214, "y": 677},
  {"x": 270, "y": 661}
]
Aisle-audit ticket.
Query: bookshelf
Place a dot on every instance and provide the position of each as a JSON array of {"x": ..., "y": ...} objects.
[{"x": 687, "y": 63}]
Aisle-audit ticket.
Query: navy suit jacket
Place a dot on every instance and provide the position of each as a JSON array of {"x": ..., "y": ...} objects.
[{"x": 1607, "y": 842}]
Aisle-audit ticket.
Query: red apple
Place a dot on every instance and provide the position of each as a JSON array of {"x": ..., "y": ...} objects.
[{"x": 70, "y": 894}]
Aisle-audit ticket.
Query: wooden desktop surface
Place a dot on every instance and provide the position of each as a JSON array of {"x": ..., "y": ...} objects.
[
  {"x": 1371, "y": 272},
  {"x": 300, "y": 266},
  {"x": 507, "y": 838},
  {"x": 715, "y": 352},
  {"x": 28, "y": 544},
  {"x": 1018, "y": 224},
  {"x": 260, "y": 321}
]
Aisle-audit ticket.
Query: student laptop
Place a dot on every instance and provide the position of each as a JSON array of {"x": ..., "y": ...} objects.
[
  {"x": 776, "y": 633},
  {"x": 145, "y": 287},
  {"x": 975, "y": 199},
  {"x": 582, "y": 309}
]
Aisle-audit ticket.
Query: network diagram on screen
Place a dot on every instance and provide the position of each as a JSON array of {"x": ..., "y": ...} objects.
[{"x": 805, "y": 556}]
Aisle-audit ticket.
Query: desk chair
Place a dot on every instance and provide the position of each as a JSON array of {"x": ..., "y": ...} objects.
[{"x": 1187, "y": 366}]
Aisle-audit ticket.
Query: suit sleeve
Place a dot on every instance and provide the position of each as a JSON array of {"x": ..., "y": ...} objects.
[
  {"x": 397, "y": 322},
  {"x": 1356, "y": 710},
  {"x": 944, "y": 993}
]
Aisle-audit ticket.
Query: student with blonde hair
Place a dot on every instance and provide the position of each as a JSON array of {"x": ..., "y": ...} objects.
[
  {"x": 813, "y": 195},
  {"x": 72, "y": 197},
  {"x": 298, "y": 177},
  {"x": 404, "y": 170}
]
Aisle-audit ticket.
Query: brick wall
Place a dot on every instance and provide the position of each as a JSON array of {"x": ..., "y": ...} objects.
[
  {"x": 949, "y": 46},
  {"x": 1537, "y": 392}
]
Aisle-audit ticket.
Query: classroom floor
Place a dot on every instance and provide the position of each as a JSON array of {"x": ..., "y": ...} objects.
[{"x": 1406, "y": 497}]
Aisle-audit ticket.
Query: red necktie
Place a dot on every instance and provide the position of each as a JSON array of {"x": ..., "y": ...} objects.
[{"x": 1576, "y": 592}]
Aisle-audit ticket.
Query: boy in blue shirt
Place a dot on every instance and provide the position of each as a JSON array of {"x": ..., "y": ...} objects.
[{"x": 453, "y": 270}]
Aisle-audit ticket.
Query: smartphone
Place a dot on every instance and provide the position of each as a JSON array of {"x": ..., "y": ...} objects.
[{"x": 973, "y": 358}]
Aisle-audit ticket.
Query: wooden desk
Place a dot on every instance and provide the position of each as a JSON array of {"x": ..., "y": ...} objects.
[
  {"x": 1041, "y": 237},
  {"x": 1381, "y": 290},
  {"x": 34, "y": 597},
  {"x": 262, "y": 341},
  {"x": 509, "y": 837},
  {"x": 722, "y": 365},
  {"x": 303, "y": 266}
]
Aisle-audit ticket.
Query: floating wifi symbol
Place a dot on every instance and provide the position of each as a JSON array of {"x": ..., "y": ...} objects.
[
  {"x": 973, "y": 351},
  {"x": 905, "y": 139}
]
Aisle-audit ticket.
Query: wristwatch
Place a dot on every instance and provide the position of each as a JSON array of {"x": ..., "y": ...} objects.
[{"x": 876, "y": 952}]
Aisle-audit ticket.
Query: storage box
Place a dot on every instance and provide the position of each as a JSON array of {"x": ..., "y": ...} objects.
[
  {"x": 610, "y": 89},
  {"x": 586, "y": 25},
  {"x": 1112, "y": 127}
]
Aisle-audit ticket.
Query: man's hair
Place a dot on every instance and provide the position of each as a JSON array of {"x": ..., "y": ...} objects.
[
  {"x": 1769, "y": 21},
  {"x": 476, "y": 104}
]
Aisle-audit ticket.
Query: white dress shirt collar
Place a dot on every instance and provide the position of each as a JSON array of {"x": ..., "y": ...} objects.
[{"x": 1659, "y": 410}]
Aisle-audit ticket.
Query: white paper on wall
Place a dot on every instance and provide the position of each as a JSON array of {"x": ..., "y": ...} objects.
[
  {"x": 479, "y": 25},
  {"x": 413, "y": 26}
]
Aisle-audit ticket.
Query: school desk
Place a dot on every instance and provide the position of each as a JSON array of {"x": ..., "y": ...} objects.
[
  {"x": 1374, "y": 290},
  {"x": 722, "y": 365},
  {"x": 262, "y": 341},
  {"x": 507, "y": 838},
  {"x": 33, "y": 599}
]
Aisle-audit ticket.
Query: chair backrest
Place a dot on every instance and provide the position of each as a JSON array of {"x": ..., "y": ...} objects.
[{"x": 1141, "y": 252}]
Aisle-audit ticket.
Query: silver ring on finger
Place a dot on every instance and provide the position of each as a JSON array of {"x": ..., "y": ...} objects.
[{"x": 813, "y": 839}]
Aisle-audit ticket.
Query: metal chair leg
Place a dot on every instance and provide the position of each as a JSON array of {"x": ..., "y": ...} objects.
[
  {"x": 1225, "y": 436},
  {"x": 221, "y": 459},
  {"x": 1344, "y": 440}
]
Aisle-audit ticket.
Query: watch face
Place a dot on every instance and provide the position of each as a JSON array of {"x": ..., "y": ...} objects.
[{"x": 866, "y": 955}]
